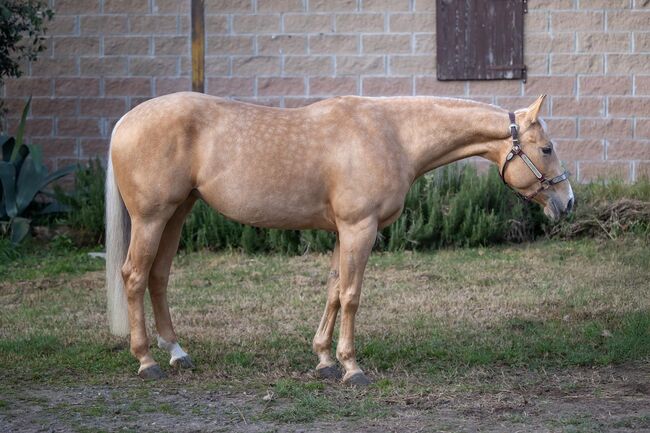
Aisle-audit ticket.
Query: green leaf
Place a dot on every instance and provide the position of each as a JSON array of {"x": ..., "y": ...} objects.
[
  {"x": 57, "y": 175},
  {"x": 19, "y": 229},
  {"x": 28, "y": 184},
  {"x": 21, "y": 130},
  {"x": 7, "y": 142},
  {"x": 55, "y": 207},
  {"x": 8, "y": 180}
]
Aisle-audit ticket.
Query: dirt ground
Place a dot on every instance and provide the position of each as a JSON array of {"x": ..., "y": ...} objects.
[{"x": 612, "y": 399}]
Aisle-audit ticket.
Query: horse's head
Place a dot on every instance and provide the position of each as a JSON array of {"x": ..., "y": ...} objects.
[{"x": 531, "y": 166}]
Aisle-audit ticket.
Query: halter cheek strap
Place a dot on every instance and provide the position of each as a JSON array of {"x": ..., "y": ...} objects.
[{"x": 516, "y": 150}]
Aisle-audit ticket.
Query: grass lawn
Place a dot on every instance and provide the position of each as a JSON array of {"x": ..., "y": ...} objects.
[{"x": 465, "y": 336}]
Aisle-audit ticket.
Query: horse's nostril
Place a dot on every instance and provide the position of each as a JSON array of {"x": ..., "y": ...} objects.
[{"x": 569, "y": 205}]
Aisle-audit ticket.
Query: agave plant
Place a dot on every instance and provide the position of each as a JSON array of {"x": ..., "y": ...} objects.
[{"x": 23, "y": 176}]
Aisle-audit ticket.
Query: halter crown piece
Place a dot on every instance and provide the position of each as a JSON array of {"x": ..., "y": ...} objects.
[{"x": 516, "y": 150}]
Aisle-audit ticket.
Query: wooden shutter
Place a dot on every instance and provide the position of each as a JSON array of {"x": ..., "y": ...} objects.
[{"x": 480, "y": 39}]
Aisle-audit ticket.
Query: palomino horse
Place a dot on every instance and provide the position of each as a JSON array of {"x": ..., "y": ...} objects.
[{"x": 343, "y": 164}]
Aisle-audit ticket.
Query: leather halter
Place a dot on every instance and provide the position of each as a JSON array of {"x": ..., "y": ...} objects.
[{"x": 517, "y": 150}]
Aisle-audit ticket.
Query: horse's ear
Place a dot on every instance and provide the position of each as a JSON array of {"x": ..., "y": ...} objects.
[{"x": 533, "y": 111}]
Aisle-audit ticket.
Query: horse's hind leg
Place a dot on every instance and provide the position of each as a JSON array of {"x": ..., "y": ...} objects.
[
  {"x": 145, "y": 238},
  {"x": 158, "y": 280},
  {"x": 322, "y": 344}
]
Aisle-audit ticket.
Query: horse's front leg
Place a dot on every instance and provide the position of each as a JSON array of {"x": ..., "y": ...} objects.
[
  {"x": 322, "y": 344},
  {"x": 356, "y": 241}
]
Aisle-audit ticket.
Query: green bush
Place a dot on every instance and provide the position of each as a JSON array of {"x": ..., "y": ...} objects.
[
  {"x": 86, "y": 201},
  {"x": 454, "y": 206}
]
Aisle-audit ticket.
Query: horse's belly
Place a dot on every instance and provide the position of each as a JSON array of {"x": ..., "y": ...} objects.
[{"x": 269, "y": 205}]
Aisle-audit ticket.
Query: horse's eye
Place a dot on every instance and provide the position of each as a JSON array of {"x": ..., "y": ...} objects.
[{"x": 547, "y": 150}]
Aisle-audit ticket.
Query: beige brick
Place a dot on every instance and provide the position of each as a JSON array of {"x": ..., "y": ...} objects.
[
  {"x": 102, "y": 107},
  {"x": 606, "y": 85},
  {"x": 332, "y": 5},
  {"x": 171, "y": 45},
  {"x": 605, "y": 4},
  {"x": 642, "y": 42},
  {"x": 629, "y": 106},
  {"x": 514, "y": 103},
  {"x": 595, "y": 171},
  {"x": 128, "y": 86},
  {"x": 225, "y": 6},
  {"x": 153, "y": 24},
  {"x": 386, "y": 86},
  {"x": 425, "y": 43},
  {"x": 417, "y": 22},
  {"x": 641, "y": 4},
  {"x": 580, "y": 149},
  {"x": 570, "y": 106},
  {"x": 62, "y": 25},
  {"x": 166, "y": 85},
  {"x": 229, "y": 44},
  {"x": 126, "y": 45},
  {"x": 256, "y": 65},
  {"x": 385, "y": 5},
  {"x": 281, "y": 44},
  {"x": 605, "y": 128},
  {"x": 642, "y": 170},
  {"x": 78, "y": 127},
  {"x": 561, "y": 128},
  {"x": 76, "y": 7},
  {"x": 412, "y": 65},
  {"x": 295, "y": 102},
  {"x": 622, "y": 64},
  {"x": 604, "y": 42},
  {"x": 94, "y": 147},
  {"x": 363, "y": 22},
  {"x": 631, "y": 20},
  {"x": 57, "y": 106},
  {"x": 577, "y": 64},
  {"x": 103, "y": 24},
  {"x": 302, "y": 23},
  {"x": 551, "y": 4},
  {"x": 231, "y": 86},
  {"x": 76, "y": 86},
  {"x": 126, "y": 6},
  {"x": 360, "y": 65},
  {"x": 536, "y": 21},
  {"x": 432, "y": 86},
  {"x": 174, "y": 7},
  {"x": 107, "y": 66},
  {"x": 256, "y": 23},
  {"x": 642, "y": 129},
  {"x": 280, "y": 86},
  {"x": 332, "y": 86},
  {"x": 492, "y": 88},
  {"x": 642, "y": 85},
  {"x": 545, "y": 85},
  {"x": 155, "y": 66},
  {"x": 425, "y": 6},
  {"x": 333, "y": 44},
  {"x": 628, "y": 149},
  {"x": 569, "y": 21},
  {"x": 215, "y": 24},
  {"x": 28, "y": 86},
  {"x": 266, "y": 6},
  {"x": 214, "y": 66},
  {"x": 386, "y": 44},
  {"x": 537, "y": 64},
  {"x": 309, "y": 65},
  {"x": 54, "y": 67},
  {"x": 549, "y": 43}
]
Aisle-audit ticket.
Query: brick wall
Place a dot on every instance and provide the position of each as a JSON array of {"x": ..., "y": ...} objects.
[{"x": 592, "y": 57}]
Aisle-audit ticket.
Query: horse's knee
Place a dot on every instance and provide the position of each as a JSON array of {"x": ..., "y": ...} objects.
[{"x": 349, "y": 301}]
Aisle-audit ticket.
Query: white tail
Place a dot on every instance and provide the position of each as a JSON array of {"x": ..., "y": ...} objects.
[{"x": 118, "y": 227}]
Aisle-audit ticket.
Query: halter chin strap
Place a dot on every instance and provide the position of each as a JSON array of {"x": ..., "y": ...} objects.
[{"x": 517, "y": 150}]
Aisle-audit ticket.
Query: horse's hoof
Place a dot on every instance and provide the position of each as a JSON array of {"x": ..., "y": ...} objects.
[
  {"x": 358, "y": 379},
  {"x": 330, "y": 372},
  {"x": 152, "y": 373},
  {"x": 183, "y": 363}
]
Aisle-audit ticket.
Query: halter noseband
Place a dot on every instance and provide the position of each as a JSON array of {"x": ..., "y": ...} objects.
[{"x": 517, "y": 150}]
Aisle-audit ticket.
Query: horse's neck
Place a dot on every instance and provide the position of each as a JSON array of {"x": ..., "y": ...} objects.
[{"x": 438, "y": 131}]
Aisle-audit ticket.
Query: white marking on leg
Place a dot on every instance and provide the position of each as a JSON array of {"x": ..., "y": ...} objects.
[{"x": 173, "y": 348}]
